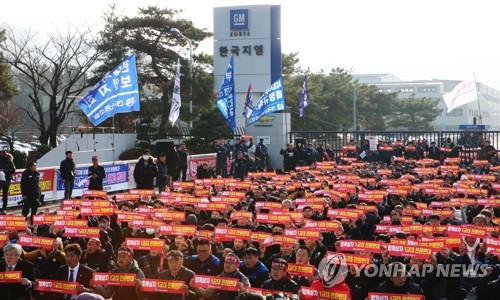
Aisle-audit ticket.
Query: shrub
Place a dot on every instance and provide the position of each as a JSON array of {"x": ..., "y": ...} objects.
[{"x": 20, "y": 159}]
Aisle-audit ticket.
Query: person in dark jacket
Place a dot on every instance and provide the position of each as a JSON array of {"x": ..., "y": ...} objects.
[
  {"x": 204, "y": 171},
  {"x": 13, "y": 262},
  {"x": 124, "y": 264},
  {"x": 96, "y": 175},
  {"x": 279, "y": 280},
  {"x": 434, "y": 152},
  {"x": 398, "y": 281},
  {"x": 151, "y": 264},
  {"x": 205, "y": 263},
  {"x": 182, "y": 153},
  {"x": 73, "y": 271},
  {"x": 162, "y": 177},
  {"x": 310, "y": 155},
  {"x": 240, "y": 166},
  {"x": 95, "y": 257},
  {"x": 68, "y": 172},
  {"x": 8, "y": 169},
  {"x": 254, "y": 269},
  {"x": 221, "y": 159},
  {"x": 176, "y": 271},
  {"x": 30, "y": 190},
  {"x": 145, "y": 171},
  {"x": 231, "y": 265},
  {"x": 290, "y": 158}
]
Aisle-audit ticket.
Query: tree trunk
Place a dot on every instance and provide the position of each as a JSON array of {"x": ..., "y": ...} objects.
[{"x": 44, "y": 137}]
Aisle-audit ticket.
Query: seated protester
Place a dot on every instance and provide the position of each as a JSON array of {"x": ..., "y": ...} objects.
[
  {"x": 398, "y": 281},
  {"x": 286, "y": 252},
  {"x": 454, "y": 287},
  {"x": 239, "y": 247},
  {"x": 317, "y": 250},
  {"x": 205, "y": 263},
  {"x": 469, "y": 251},
  {"x": 151, "y": 264},
  {"x": 303, "y": 258},
  {"x": 114, "y": 236},
  {"x": 308, "y": 213},
  {"x": 331, "y": 277},
  {"x": 124, "y": 264},
  {"x": 95, "y": 257},
  {"x": 183, "y": 244},
  {"x": 279, "y": 280},
  {"x": 205, "y": 172},
  {"x": 73, "y": 271},
  {"x": 13, "y": 262},
  {"x": 231, "y": 265},
  {"x": 46, "y": 262},
  {"x": 253, "y": 268},
  {"x": 433, "y": 287},
  {"x": 176, "y": 271}
]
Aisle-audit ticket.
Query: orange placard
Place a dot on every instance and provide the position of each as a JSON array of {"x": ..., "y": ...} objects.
[{"x": 114, "y": 279}]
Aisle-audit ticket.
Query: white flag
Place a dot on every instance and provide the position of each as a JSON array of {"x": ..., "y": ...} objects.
[
  {"x": 463, "y": 93},
  {"x": 176, "y": 96}
]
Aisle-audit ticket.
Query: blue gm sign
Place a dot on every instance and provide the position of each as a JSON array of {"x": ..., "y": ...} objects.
[{"x": 238, "y": 19}]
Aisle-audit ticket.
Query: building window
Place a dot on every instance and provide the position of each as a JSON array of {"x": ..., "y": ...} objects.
[
  {"x": 427, "y": 89},
  {"x": 455, "y": 113},
  {"x": 406, "y": 90}
]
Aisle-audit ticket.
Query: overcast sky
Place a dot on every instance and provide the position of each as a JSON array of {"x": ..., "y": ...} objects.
[{"x": 413, "y": 39}]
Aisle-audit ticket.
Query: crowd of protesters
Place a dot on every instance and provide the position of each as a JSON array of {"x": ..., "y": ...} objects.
[{"x": 315, "y": 230}]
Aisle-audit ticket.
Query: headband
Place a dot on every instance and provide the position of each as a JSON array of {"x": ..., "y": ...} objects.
[
  {"x": 233, "y": 259},
  {"x": 125, "y": 252},
  {"x": 281, "y": 265}
]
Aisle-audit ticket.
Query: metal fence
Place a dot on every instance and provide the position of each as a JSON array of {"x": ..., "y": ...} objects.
[{"x": 469, "y": 140}]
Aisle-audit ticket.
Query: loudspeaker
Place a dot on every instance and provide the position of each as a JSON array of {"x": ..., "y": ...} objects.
[{"x": 169, "y": 149}]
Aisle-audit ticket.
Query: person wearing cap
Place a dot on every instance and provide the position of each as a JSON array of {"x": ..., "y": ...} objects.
[
  {"x": 95, "y": 257},
  {"x": 279, "y": 280},
  {"x": 73, "y": 271},
  {"x": 145, "y": 171},
  {"x": 67, "y": 169},
  {"x": 176, "y": 271},
  {"x": 96, "y": 175},
  {"x": 231, "y": 270},
  {"x": 125, "y": 263}
]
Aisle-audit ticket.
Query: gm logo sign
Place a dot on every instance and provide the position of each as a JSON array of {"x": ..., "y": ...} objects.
[{"x": 238, "y": 19}]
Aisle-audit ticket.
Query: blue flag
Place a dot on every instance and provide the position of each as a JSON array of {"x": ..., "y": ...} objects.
[
  {"x": 272, "y": 100},
  {"x": 247, "y": 110},
  {"x": 117, "y": 92},
  {"x": 304, "y": 99},
  {"x": 226, "y": 100}
]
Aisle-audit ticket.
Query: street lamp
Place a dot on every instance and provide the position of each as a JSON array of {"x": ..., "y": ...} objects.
[
  {"x": 176, "y": 31},
  {"x": 354, "y": 106}
]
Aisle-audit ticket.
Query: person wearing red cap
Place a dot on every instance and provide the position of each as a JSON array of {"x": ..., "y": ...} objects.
[
  {"x": 95, "y": 257},
  {"x": 280, "y": 280},
  {"x": 96, "y": 175}
]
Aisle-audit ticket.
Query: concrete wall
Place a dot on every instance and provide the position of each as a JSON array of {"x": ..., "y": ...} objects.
[{"x": 83, "y": 148}]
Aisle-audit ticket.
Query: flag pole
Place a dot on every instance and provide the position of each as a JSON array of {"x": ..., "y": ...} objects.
[
  {"x": 478, "y": 103},
  {"x": 113, "y": 140}
]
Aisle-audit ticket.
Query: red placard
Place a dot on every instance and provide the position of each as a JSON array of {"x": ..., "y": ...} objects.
[
  {"x": 144, "y": 244},
  {"x": 212, "y": 206},
  {"x": 300, "y": 270},
  {"x": 303, "y": 234},
  {"x": 409, "y": 251},
  {"x": 365, "y": 246},
  {"x": 322, "y": 294},
  {"x": 353, "y": 259},
  {"x": 36, "y": 241},
  {"x": 86, "y": 232},
  {"x": 241, "y": 215},
  {"x": 70, "y": 223},
  {"x": 96, "y": 203},
  {"x": 95, "y": 194},
  {"x": 170, "y": 215},
  {"x": 146, "y": 193},
  {"x": 4, "y": 238},
  {"x": 470, "y": 231},
  {"x": 216, "y": 283},
  {"x": 387, "y": 296},
  {"x": 226, "y": 234},
  {"x": 162, "y": 286},
  {"x": 324, "y": 225},
  {"x": 204, "y": 234},
  {"x": 127, "y": 197},
  {"x": 68, "y": 213},
  {"x": 145, "y": 223},
  {"x": 345, "y": 213},
  {"x": 56, "y": 286},
  {"x": 97, "y": 211},
  {"x": 260, "y": 237},
  {"x": 185, "y": 230},
  {"x": 114, "y": 279},
  {"x": 11, "y": 277},
  {"x": 13, "y": 224},
  {"x": 279, "y": 240},
  {"x": 46, "y": 219},
  {"x": 127, "y": 217},
  {"x": 12, "y": 218},
  {"x": 268, "y": 205},
  {"x": 274, "y": 218}
]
